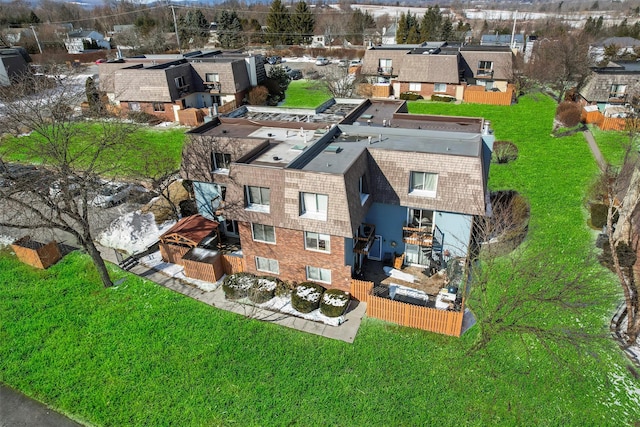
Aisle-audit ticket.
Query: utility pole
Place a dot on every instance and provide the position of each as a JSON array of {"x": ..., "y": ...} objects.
[
  {"x": 37, "y": 41},
  {"x": 175, "y": 26}
]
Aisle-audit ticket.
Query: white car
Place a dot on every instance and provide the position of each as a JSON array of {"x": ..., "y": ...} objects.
[
  {"x": 321, "y": 60},
  {"x": 110, "y": 194}
]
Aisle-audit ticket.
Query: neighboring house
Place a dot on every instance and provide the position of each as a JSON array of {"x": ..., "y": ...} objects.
[
  {"x": 389, "y": 35},
  {"x": 318, "y": 40},
  {"x": 82, "y": 40},
  {"x": 14, "y": 61},
  {"x": 437, "y": 68},
  {"x": 611, "y": 87},
  {"x": 624, "y": 45},
  {"x": 515, "y": 42},
  {"x": 163, "y": 87},
  {"x": 319, "y": 196},
  {"x": 117, "y": 29}
]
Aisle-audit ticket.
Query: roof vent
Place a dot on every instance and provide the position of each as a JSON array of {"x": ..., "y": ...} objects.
[{"x": 333, "y": 149}]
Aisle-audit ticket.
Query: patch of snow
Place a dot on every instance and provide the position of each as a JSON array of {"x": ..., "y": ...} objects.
[
  {"x": 133, "y": 233},
  {"x": 335, "y": 300},
  {"x": 6, "y": 240},
  {"x": 176, "y": 271},
  {"x": 308, "y": 293},
  {"x": 267, "y": 285},
  {"x": 397, "y": 274},
  {"x": 283, "y": 305}
]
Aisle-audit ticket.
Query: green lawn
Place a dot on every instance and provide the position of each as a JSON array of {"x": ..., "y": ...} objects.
[
  {"x": 166, "y": 143},
  {"x": 139, "y": 354},
  {"x": 305, "y": 94},
  {"x": 611, "y": 144}
]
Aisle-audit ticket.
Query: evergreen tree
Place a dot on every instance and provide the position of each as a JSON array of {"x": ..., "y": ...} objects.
[
  {"x": 359, "y": 23},
  {"x": 402, "y": 31},
  {"x": 278, "y": 24},
  {"x": 229, "y": 30},
  {"x": 302, "y": 24},
  {"x": 33, "y": 18},
  {"x": 447, "y": 30},
  {"x": 193, "y": 28},
  {"x": 430, "y": 28}
]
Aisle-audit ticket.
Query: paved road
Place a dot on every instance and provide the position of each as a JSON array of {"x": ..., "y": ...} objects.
[{"x": 18, "y": 410}]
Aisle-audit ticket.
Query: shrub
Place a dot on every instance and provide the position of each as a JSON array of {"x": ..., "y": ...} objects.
[
  {"x": 258, "y": 95},
  {"x": 442, "y": 98},
  {"x": 236, "y": 286},
  {"x": 283, "y": 289},
  {"x": 334, "y": 302},
  {"x": 599, "y": 212},
  {"x": 504, "y": 152},
  {"x": 410, "y": 96},
  {"x": 306, "y": 297},
  {"x": 263, "y": 289},
  {"x": 142, "y": 117},
  {"x": 568, "y": 113}
]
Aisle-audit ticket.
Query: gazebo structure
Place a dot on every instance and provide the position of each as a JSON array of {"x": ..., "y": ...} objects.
[{"x": 193, "y": 242}]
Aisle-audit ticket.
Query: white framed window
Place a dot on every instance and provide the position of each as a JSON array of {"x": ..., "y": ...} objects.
[
  {"x": 440, "y": 87},
  {"x": 258, "y": 198},
  {"x": 318, "y": 274},
  {"x": 314, "y": 206},
  {"x": 317, "y": 241},
  {"x": 618, "y": 91},
  {"x": 212, "y": 77},
  {"x": 134, "y": 106},
  {"x": 220, "y": 162},
  {"x": 179, "y": 82},
  {"x": 263, "y": 233},
  {"x": 423, "y": 184},
  {"x": 267, "y": 265},
  {"x": 385, "y": 65},
  {"x": 363, "y": 188},
  {"x": 485, "y": 68},
  {"x": 415, "y": 87},
  {"x": 158, "y": 107},
  {"x": 420, "y": 218}
]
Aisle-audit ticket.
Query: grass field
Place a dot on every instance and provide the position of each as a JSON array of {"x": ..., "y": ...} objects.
[
  {"x": 165, "y": 142},
  {"x": 611, "y": 144},
  {"x": 139, "y": 354},
  {"x": 305, "y": 94}
]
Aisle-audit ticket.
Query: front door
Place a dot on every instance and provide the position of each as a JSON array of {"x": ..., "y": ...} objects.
[{"x": 375, "y": 251}]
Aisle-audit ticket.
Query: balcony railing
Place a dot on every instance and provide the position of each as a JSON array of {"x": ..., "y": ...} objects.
[
  {"x": 364, "y": 239},
  {"x": 213, "y": 87},
  {"x": 385, "y": 70},
  {"x": 484, "y": 73},
  {"x": 617, "y": 97},
  {"x": 417, "y": 236}
]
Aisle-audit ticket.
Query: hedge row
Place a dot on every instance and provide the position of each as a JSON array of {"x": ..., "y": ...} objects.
[{"x": 305, "y": 297}]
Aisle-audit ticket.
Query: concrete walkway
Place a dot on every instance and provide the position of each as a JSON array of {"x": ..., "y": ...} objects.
[
  {"x": 602, "y": 164},
  {"x": 345, "y": 332},
  {"x": 18, "y": 410}
]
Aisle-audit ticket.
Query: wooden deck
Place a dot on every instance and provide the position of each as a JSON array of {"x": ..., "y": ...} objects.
[{"x": 373, "y": 272}]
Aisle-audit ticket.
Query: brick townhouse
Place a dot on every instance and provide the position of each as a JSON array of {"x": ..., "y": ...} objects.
[{"x": 316, "y": 195}]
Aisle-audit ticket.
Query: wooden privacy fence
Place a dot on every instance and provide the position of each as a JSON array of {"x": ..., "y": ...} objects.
[
  {"x": 173, "y": 253},
  {"x": 232, "y": 264},
  {"x": 480, "y": 96},
  {"x": 36, "y": 254},
  {"x": 429, "y": 319},
  {"x": 209, "y": 272},
  {"x": 604, "y": 123}
]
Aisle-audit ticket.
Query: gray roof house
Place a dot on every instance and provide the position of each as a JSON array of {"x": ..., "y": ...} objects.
[
  {"x": 81, "y": 40},
  {"x": 325, "y": 195},
  {"x": 13, "y": 62},
  {"x": 611, "y": 87},
  {"x": 625, "y": 45}
]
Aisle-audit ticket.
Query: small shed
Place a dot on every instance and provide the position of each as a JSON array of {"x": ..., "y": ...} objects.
[
  {"x": 194, "y": 243},
  {"x": 36, "y": 254}
]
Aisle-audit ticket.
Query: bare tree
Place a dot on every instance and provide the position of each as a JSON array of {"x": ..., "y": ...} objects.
[
  {"x": 513, "y": 289},
  {"x": 71, "y": 154},
  {"x": 561, "y": 63},
  {"x": 339, "y": 82}
]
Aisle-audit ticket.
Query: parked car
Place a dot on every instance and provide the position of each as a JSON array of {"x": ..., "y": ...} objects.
[
  {"x": 342, "y": 63},
  {"x": 273, "y": 60},
  {"x": 321, "y": 60},
  {"x": 73, "y": 187},
  {"x": 11, "y": 173},
  {"x": 110, "y": 194},
  {"x": 355, "y": 63},
  {"x": 294, "y": 74}
]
